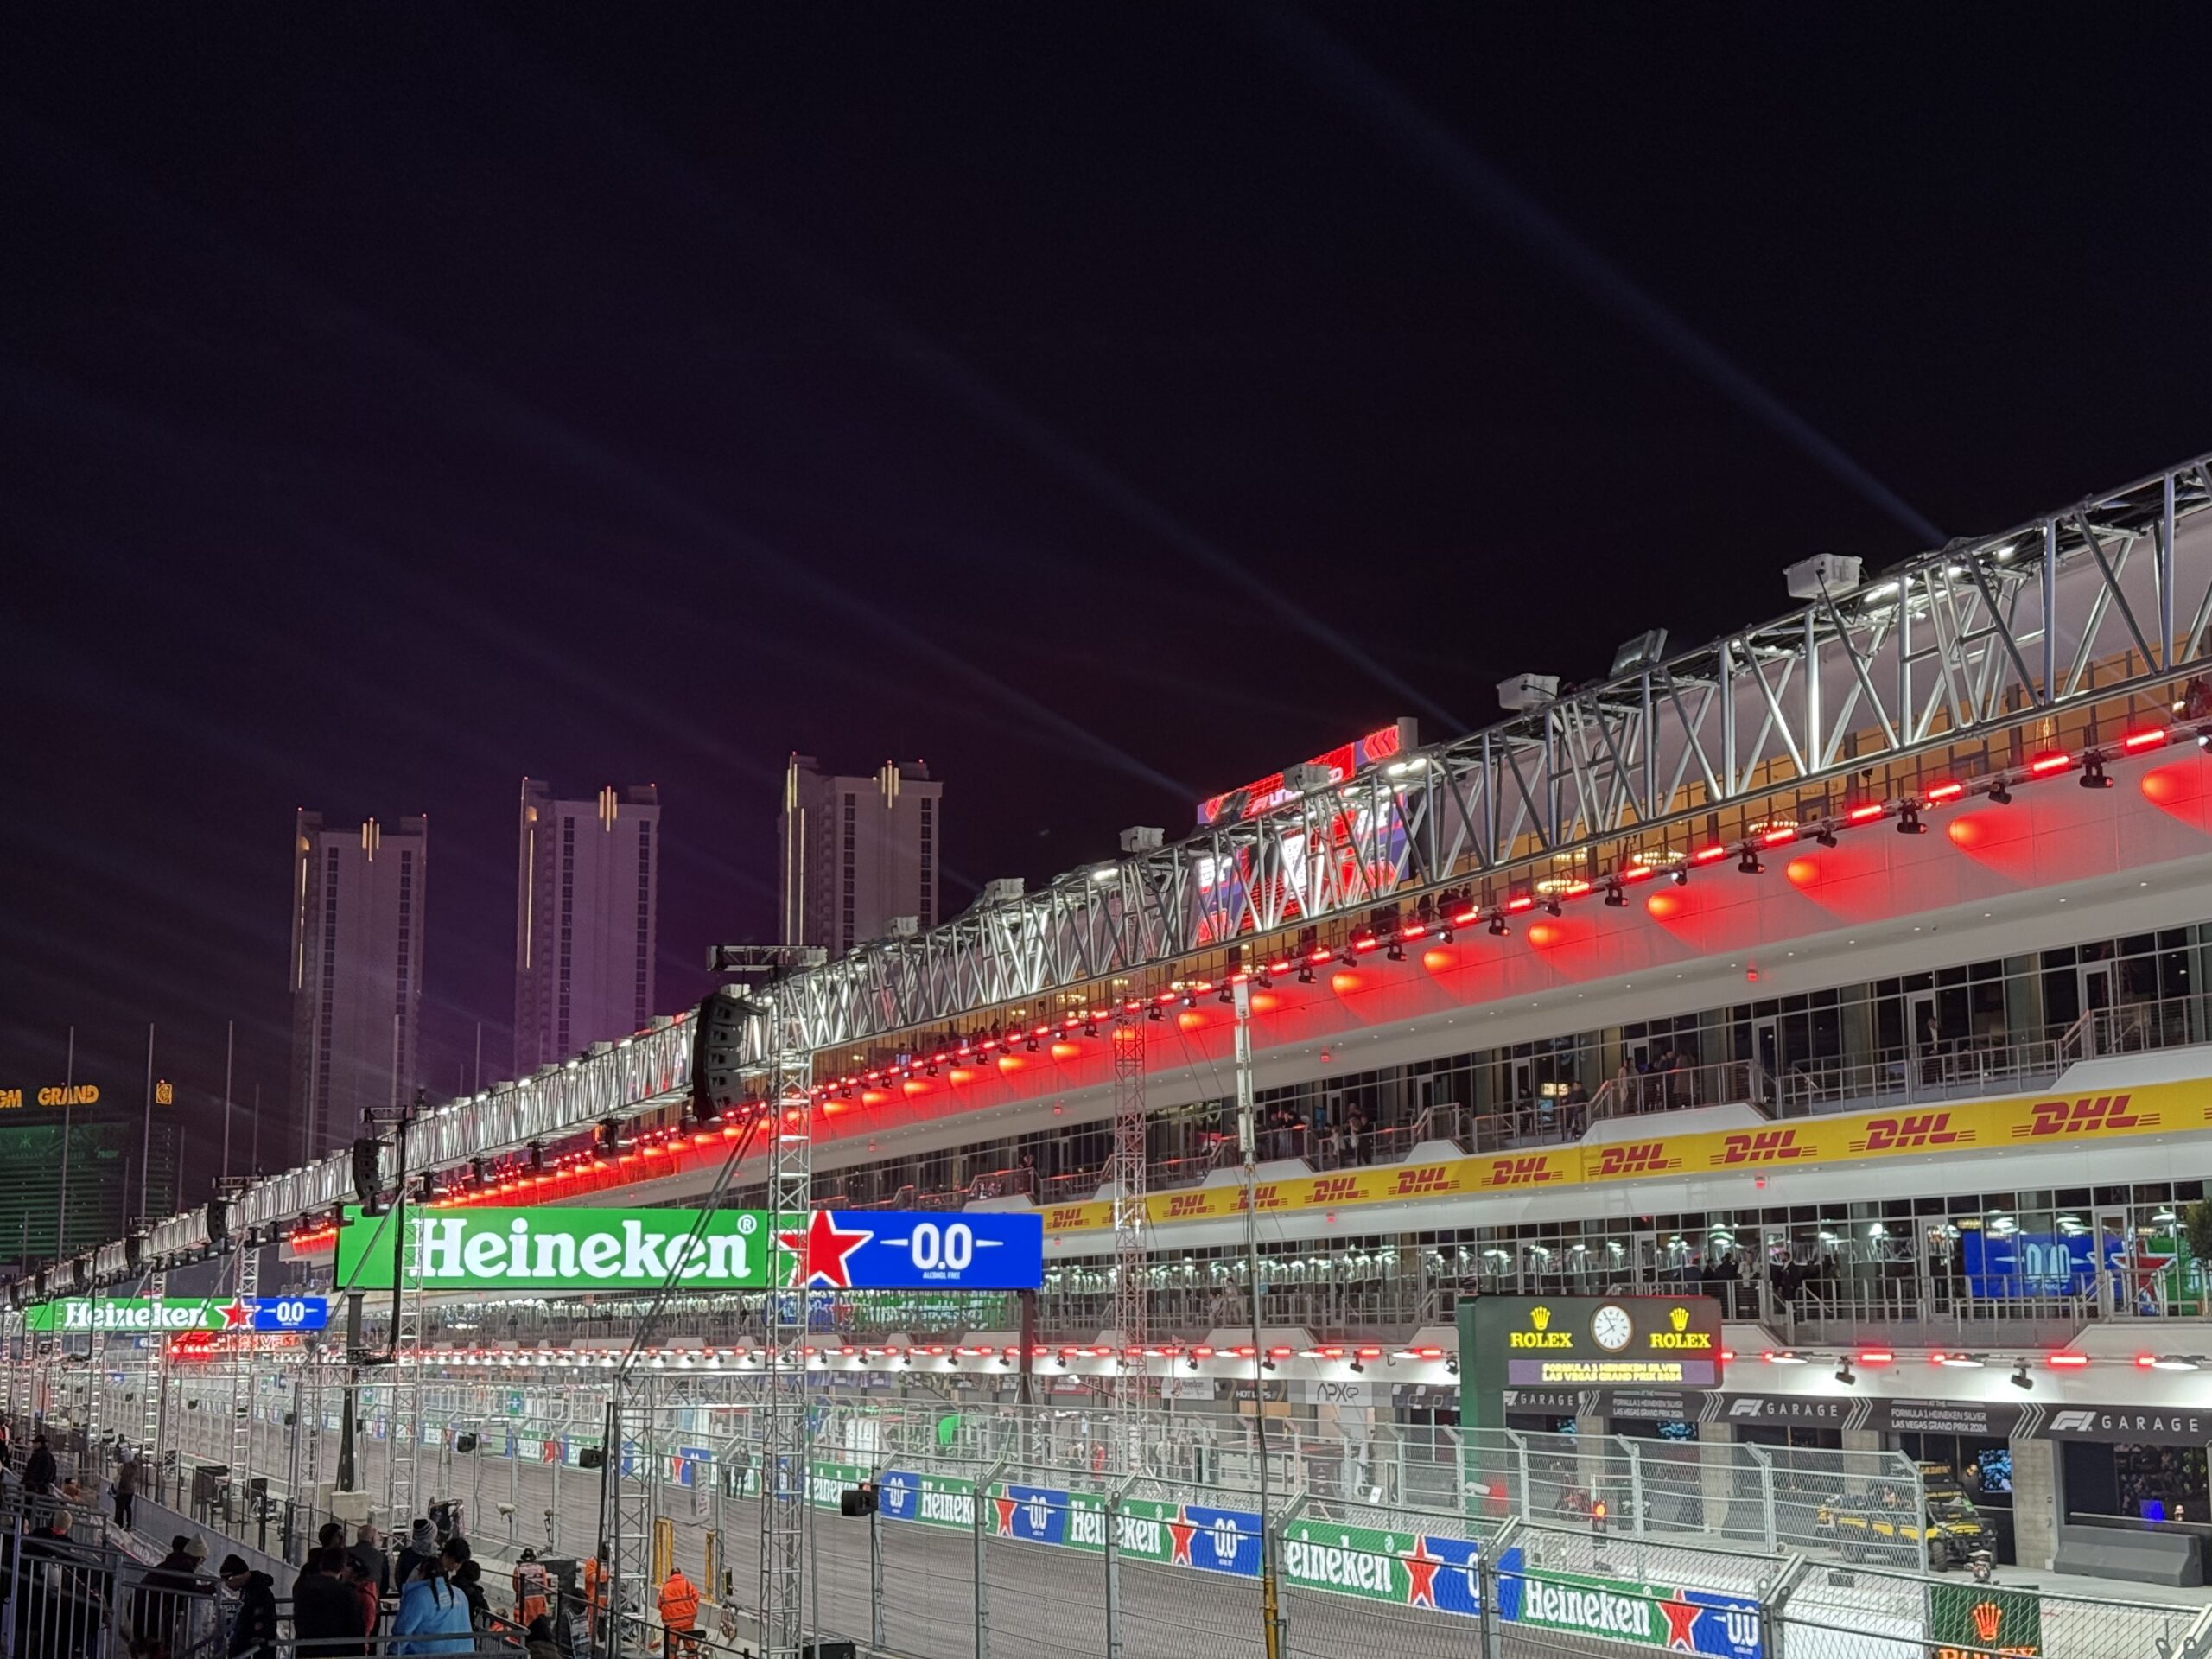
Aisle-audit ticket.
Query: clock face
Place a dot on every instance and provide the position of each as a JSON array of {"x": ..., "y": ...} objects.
[{"x": 1610, "y": 1328}]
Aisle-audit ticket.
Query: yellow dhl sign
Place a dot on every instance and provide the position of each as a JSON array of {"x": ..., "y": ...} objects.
[{"x": 2025, "y": 1122}]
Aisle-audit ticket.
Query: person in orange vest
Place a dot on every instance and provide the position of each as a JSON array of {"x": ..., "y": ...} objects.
[
  {"x": 595, "y": 1578},
  {"x": 679, "y": 1612},
  {"x": 530, "y": 1585}
]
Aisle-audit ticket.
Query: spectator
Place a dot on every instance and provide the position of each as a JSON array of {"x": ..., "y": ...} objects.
[
  {"x": 164, "y": 1599},
  {"x": 39, "y": 1473},
  {"x": 126, "y": 1488},
  {"x": 468, "y": 1579},
  {"x": 422, "y": 1546},
  {"x": 364, "y": 1591},
  {"x": 539, "y": 1643},
  {"x": 433, "y": 1615},
  {"x": 254, "y": 1630},
  {"x": 326, "y": 1610},
  {"x": 369, "y": 1556}
]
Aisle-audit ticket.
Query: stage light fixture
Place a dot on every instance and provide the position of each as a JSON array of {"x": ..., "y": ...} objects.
[
  {"x": 1844, "y": 1374},
  {"x": 2001, "y": 794},
  {"x": 1305, "y": 974},
  {"x": 1497, "y": 928},
  {"x": 2092, "y": 773},
  {"x": 1679, "y": 877},
  {"x": 1395, "y": 953},
  {"x": 1909, "y": 822},
  {"x": 1551, "y": 905},
  {"x": 2020, "y": 1378},
  {"x": 1826, "y": 837},
  {"x": 1615, "y": 899},
  {"x": 1749, "y": 863}
]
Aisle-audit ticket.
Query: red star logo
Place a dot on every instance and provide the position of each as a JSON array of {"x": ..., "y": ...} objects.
[
  {"x": 821, "y": 1251},
  {"x": 234, "y": 1315},
  {"x": 1420, "y": 1576},
  {"x": 1682, "y": 1622},
  {"x": 1182, "y": 1529},
  {"x": 1006, "y": 1506}
]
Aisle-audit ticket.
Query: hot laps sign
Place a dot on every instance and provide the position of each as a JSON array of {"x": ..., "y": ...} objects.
[
  {"x": 130, "y": 1317},
  {"x": 724, "y": 1249}
]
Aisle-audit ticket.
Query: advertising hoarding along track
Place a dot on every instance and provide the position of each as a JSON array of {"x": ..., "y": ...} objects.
[
  {"x": 550, "y": 1249},
  {"x": 133, "y": 1316}
]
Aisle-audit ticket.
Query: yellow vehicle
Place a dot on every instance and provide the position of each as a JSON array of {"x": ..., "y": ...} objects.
[{"x": 1874, "y": 1526}]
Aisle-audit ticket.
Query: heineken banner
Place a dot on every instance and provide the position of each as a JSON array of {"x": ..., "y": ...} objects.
[
  {"x": 547, "y": 1249},
  {"x": 1406, "y": 1569},
  {"x": 1675, "y": 1620},
  {"x": 137, "y": 1316}
]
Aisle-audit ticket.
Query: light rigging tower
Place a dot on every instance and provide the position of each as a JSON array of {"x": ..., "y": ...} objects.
[{"x": 1132, "y": 1310}]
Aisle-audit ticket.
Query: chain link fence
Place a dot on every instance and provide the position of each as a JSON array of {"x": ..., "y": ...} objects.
[{"x": 1099, "y": 1534}]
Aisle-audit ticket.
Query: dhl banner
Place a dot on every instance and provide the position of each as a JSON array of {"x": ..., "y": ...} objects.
[{"x": 2023, "y": 1121}]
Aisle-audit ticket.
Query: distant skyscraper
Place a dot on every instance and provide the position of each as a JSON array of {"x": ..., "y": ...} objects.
[
  {"x": 584, "y": 920},
  {"x": 357, "y": 900},
  {"x": 857, "y": 852}
]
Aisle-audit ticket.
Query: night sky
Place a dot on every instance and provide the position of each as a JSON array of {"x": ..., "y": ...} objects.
[{"x": 1107, "y": 405}]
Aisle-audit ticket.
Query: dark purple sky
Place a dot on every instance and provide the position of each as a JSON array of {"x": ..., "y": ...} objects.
[{"x": 1108, "y": 405}]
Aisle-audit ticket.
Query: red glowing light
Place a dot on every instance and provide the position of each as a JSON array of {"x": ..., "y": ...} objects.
[
  {"x": 2043, "y": 764},
  {"x": 1520, "y": 902},
  {"x": 1775, "y": 837},
  {"x": 1876, "y": 1356},
  {"x": 1636, "y": 873},
  {"x": 1707, "y": 855},
  {"x": 2067, "y": 1360},
  {"x": 1865, "y": 814},
  {"x": 1938, "y": 793},
  {"x": 2146, "y": 739}
]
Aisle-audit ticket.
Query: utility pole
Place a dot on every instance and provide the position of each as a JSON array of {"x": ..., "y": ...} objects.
[
  {"x": 146, "y": 1151},
  {"x": 230, "y": 1039},
  {"x": 68, "y": 1107}
]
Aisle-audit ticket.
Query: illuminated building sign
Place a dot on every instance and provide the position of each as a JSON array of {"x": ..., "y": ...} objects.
[
  {"x": 1339, "y": 763},
  {"x": 722, "y": 1250},
  {"x": 1599, "y": 1343},
  {"x": 1357, "y": 846},
  {"x": 82, "y": 1094}
]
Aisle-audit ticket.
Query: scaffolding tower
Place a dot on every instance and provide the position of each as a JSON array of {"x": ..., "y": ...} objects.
[
  {"x": 1132, "y": 1310},
  {"x": 246, "y": 1287},
  {"x": 153, "y": 1377},
  {"x": 785, "y": 1430}
]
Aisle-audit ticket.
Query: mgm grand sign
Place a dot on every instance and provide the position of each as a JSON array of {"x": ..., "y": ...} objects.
[{"x": 1585, "y": 1342}]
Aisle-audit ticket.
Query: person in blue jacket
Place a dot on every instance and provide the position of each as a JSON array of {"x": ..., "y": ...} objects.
[{"x": 433, "y": 1614}]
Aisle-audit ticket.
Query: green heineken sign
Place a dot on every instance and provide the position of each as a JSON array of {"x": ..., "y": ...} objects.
[
  {"x": 139, "y": 1316},
  {"x": 546, "y": 1248}
]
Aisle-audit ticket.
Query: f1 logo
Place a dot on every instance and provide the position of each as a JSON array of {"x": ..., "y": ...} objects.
[{"x": 2073, "y": 1422}]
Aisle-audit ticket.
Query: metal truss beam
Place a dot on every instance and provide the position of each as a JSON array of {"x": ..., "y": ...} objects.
[{"x": 2110, "y": 595}]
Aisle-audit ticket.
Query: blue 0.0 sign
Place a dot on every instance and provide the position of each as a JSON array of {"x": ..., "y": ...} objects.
[{"x": 863, "y": 1249}]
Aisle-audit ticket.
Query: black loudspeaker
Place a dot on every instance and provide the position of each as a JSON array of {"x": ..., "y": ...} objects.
[
  {"x": 859, "y": 1501},
  {"x": 592, "y": 1457},
  {"x": 717, "y": 1052},
  {"x": 368, "y": 1154},
  {"x": 464, "y": 1442},
  {"x": 840, "y": 1650},
  {"x": 218, "y": 1222}
]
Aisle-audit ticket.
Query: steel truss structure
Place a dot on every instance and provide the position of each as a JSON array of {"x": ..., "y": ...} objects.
[
  {"x": 2108, "y": 597},
  {"x": 1132, "y": 1294}
]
